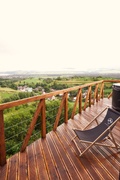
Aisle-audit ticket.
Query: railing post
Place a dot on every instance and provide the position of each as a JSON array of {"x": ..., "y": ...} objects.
[
  {"x": 76, "y": 102},
  {"x": 101, "y": 91},
  {"x": 102, "y": 96},
  {"x": 96, "y": 94},
  {"x": 80, "y": 101},
  {"x": 90, "y": 96},
  {"x": 43, "y": 115},
  {"x": 2, "y": 140},
  {"x": 66, "y": 108}
]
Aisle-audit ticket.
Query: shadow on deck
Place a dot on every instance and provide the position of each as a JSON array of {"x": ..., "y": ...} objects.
[{"x": 56, "y": 156}]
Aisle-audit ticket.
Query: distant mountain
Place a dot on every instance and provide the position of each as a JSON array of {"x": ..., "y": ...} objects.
[{"x": 90, "y": 72}]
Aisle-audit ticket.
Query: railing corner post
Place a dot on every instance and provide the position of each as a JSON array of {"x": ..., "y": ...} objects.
[
  {"x": 43, "y": 132},
  {"x": 2, "y": 141}
]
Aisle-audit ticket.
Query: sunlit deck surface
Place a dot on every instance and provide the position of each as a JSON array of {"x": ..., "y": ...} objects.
[{"x": 56, "y": 156}]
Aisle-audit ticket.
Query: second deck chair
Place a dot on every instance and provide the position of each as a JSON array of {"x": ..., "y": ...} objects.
[{"x": 98, "y": 134}]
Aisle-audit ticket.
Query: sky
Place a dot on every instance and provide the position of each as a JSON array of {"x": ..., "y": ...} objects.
[{"x": 59, "y": 35}]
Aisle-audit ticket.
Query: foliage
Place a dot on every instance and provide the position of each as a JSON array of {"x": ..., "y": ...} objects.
[
  {"x": 20, "y": 95},
  {"x": 17, "y": 119},
  {"x": 8, "y": 83}
]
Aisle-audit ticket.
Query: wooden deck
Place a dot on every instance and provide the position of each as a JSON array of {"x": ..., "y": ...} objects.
[{"x": 56, "y": 156}]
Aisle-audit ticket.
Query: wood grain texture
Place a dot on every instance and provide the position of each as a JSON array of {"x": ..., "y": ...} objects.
[{"x": 56, "y": 157}]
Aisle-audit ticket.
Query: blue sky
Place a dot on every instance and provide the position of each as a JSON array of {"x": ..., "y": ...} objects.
[{"x": 55, "y": 35}]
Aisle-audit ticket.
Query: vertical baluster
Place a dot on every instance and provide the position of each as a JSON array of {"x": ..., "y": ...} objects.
[
  {"x": 2, "y": 141},
  {"x": 90, "y": 96},
  {"x": 66, "y": 108},
  {"x": 43, "y": 114},
  {"x": 80, "y": 101},
  {"x": 76, "y": 103},
  {"x": 96, "y": 94},
  {"x": 103, "y": 91},
  {"x": 87, "y": 98}
]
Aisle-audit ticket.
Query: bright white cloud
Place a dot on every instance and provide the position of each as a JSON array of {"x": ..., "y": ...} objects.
[{"x": 59, "y": 34}]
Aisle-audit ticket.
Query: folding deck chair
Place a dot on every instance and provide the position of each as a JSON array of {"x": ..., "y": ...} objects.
[{"x": 98, "y": 134}]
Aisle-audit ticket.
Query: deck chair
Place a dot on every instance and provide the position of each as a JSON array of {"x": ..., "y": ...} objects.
[{"x": 100, "y": 133}]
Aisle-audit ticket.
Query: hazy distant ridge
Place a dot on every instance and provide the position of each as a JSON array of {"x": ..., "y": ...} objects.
[{"x": 90, "y": 72}]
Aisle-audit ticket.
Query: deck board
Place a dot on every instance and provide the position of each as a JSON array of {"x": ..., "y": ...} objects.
[
  {"x": 40, "y": 162},
  {"x": 13, "y": 167},
  {"x": 22, "y": 166},
  {"x": 56, "y": 156},
  {"x": 51, "y": 166}
]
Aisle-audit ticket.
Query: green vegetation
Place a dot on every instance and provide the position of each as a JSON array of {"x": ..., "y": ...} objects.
[
  {"x": 29, "y": 81},
  {"x": 9, "y": 88},
  {"x": 17, "y": 119}
]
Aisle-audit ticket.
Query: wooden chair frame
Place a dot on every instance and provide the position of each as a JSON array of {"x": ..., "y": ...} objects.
[{"x": 95, "y": 142}]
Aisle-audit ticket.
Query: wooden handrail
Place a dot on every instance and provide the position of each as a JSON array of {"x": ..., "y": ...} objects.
[
  {"x": 44, "y": 96},
  {"x": 112, "y": 81},
  {"x": 41, "y": 109}
]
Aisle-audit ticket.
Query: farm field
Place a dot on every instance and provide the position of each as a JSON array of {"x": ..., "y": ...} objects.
[
  {"x": 29, "y": 81},
  {"x": 6, "y": 93},
  {"x": 8, "y": 88}
]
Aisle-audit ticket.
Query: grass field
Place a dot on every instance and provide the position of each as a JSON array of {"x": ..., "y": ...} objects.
[
  {"x": 29, "y": 81},
  {"x": 6, "y": 93},
  {"x": 7, "y": 90},
  {"x": 73, "y": 82}
]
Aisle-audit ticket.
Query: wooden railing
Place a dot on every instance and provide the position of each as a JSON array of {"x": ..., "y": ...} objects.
[{"x": 91, "y": 98}]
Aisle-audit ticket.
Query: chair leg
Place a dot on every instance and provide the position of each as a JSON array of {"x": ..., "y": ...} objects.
[
  {"x": 73, "y": 138},
  {"x": 76, "y": 145},
  {"x": 113, "y": 140}
]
